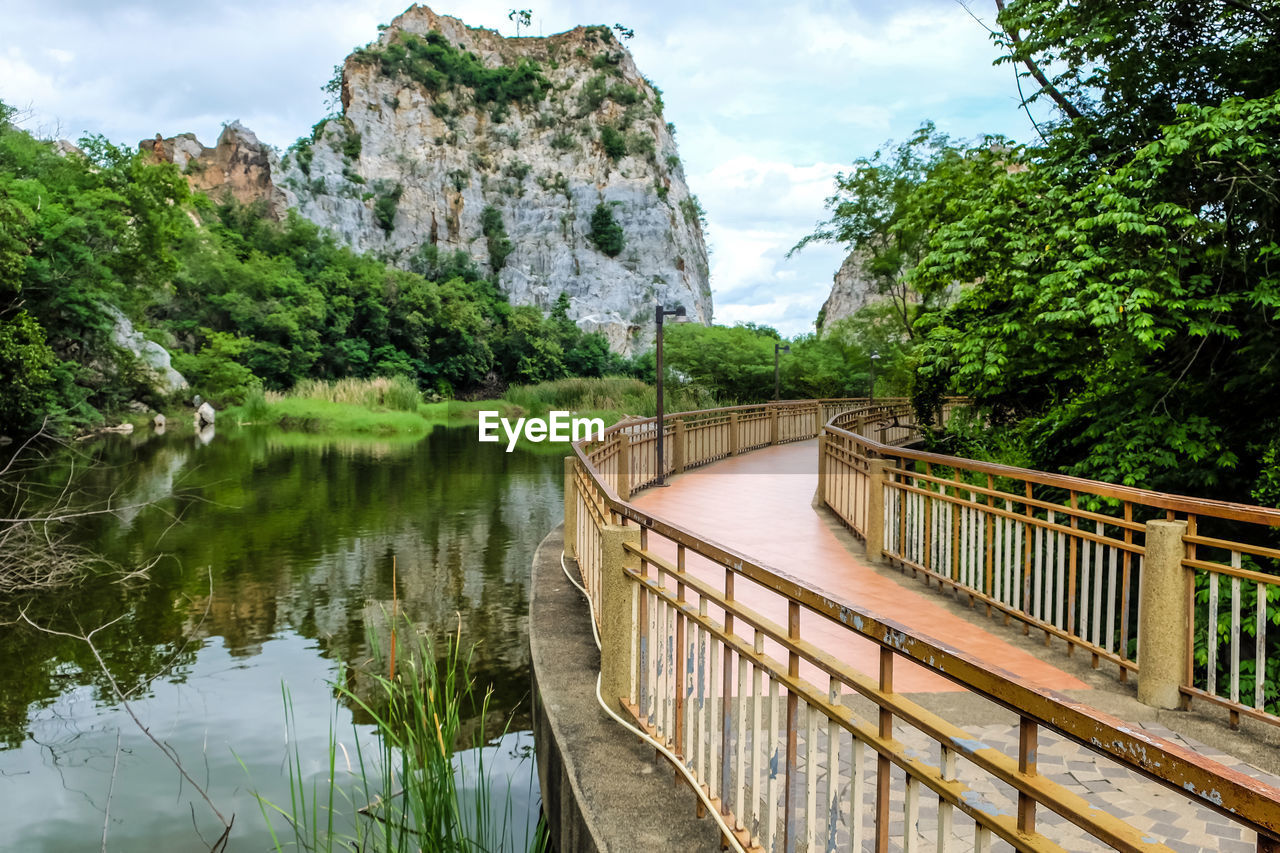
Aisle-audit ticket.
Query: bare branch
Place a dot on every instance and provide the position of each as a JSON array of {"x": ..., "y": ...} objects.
[{"x": 1047, "y": 87}]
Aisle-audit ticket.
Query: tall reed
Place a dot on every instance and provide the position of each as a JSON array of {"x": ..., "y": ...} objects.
[
  {"x": 618, "y": 394},
  {"x": 397, "y": 393},
  {"x": 412, "y": 791}
]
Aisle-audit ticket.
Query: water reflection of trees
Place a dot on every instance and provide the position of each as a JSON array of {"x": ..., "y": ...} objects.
[{"x": 281, "y": 533}]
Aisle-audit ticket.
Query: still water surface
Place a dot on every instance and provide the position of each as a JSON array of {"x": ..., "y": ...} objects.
[{"x": 277, "y": 562}]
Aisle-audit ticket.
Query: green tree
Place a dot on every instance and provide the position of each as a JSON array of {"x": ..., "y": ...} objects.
[
  {"x": 1121, "y": 292},
  {"x": 606, "y": 234}
]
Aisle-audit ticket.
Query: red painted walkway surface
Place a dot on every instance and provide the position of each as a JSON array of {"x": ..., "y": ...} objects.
[{"x": 761, "y": 505}]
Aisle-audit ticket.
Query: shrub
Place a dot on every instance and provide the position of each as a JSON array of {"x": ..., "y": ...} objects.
[
  {"x": 303, "y": 154},
  {"x": 593, "y": 93},
  {"x": 640, "y": 143},
  {"x": 692, "y": 210},
  {"x": 351, "y": 145},
  {"x": 384, "y": 209},
  {"x": 517, "y": 169},
  {"x": 216, "y": 371},
  {"x": 606, "y": 233},
  {"x": 615, "y": 144},
  {"x": 622, "y": 93},
  {"x": 495, "y": 235},
  {"x": 563, "y": 141}
]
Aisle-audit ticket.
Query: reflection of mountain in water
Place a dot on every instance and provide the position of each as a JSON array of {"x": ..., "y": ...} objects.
[{"x": 296, "y": 535}]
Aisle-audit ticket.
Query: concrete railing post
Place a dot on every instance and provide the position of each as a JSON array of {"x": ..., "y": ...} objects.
[
  {"x": 677, "y": 447},
  {"x": 733, "y": 434},
  {"x": 773, "y": 425},
  {"x": 876, "y": 479},
  {"x": 617, "y": 613},
  {"x": 624, "y": 467},
  {"x": 570, "y": 507},
  {"x": 820, "y": 499},
  {"x": 1162, "y": 622}
]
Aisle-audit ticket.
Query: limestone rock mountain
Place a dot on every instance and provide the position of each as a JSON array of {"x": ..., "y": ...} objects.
[{"x": 527, "y": 154}]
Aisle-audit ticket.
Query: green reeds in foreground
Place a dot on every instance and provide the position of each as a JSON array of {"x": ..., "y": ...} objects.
[{"x": 412, "y": 793}]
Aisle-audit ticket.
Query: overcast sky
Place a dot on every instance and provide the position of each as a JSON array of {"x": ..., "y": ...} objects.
[{"x": 770, "y": 100}]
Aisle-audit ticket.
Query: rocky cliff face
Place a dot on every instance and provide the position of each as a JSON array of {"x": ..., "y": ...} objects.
[
  {"x": 239, "y": 166},
  {"x": 527, "y": 154},
  {"x": 851, "y": 289}
]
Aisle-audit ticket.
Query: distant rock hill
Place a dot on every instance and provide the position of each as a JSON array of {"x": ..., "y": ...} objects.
[{"x": 528, "y": 154}]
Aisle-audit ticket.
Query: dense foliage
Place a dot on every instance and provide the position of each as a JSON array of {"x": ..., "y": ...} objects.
[
  {"x": 1109, "y": 294},
  {"x": 737, "y": 362},
  {"x": 437, "y": 65},
  {"x": 242, "y": 302}
]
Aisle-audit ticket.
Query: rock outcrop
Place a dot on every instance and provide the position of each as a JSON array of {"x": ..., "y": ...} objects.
[
  {"x": 851, "y": 289},
  {"x": 238, "y": 166},
  {"x": 153, "y": 359},
  {"x": 453, "y": 138}
]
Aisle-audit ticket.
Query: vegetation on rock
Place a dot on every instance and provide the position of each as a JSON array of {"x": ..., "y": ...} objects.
[{"x": 606, "y": 234}]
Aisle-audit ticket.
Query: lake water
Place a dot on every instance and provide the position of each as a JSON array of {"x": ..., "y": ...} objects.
[{"x": 276, "y": 563}]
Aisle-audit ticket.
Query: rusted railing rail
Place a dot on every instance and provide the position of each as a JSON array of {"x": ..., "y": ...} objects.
[{"x": 737, "y": 666}]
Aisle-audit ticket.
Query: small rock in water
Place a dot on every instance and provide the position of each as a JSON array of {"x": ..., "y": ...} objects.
[
  {"x": 158, "y": 421},
  {"x": 204, "y": 415}
]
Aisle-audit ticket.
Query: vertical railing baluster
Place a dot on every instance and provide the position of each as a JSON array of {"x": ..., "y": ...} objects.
[
  {"x": 1070, "y": 626},
  {"x": 726, "y": 705},
  {"x": 1028, "y": 742},
  {"x": 883, "y": 783},
  {"x": 911, "y": 815},
  {"x": 946, "y": 812},
  {"x": 857, "y": 794},
  {"x": 759, "y": 750},
  {"x": 1235, "y": 629},
  {"x": 833, "y": 766},
  {"x": 1098, "y": 569},
  {"x": 1260, "y": 649},
  {"x": 790, "y": 832},
  {"x": 775, "y": 760},
  {"x": 740, "y": 776},
  {"x": 1211, "y": 638},
  {"x": 811, "y": 715}
]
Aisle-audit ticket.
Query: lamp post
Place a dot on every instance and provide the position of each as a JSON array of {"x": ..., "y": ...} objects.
[
  {"x": 658, "y": 314},
  {"x": 875, "y": 356},
  {"x": 777, "y": 348}
]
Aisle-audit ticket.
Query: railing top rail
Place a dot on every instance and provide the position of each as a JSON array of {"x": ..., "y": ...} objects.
[
  {"x": 1161, "y": 500},
  {"x": 1230, "y": 792},
  {"x": 819, "y": 402}
]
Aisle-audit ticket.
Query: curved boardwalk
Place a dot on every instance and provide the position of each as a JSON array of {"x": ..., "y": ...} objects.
[{"x": 761, "y": 504}]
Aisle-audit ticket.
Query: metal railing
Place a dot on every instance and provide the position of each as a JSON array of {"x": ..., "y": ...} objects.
[
  {"x": 1064, "y": 554},
  {"x": 740, "y": 668}
]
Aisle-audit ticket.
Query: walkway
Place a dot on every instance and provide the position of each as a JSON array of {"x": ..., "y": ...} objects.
[{"x": 761, "y": 504}]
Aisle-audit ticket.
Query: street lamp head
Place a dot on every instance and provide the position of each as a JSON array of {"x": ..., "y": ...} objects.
[
  {"x": 781, "y": 348},
  {"x": 875, "y": 356},
  {"x": 680, "y": 313}
]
